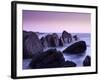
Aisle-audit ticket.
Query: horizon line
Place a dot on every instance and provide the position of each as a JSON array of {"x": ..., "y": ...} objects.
[{"x": 56, "y": 32}]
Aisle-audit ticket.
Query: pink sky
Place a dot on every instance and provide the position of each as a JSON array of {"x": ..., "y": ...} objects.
[{"x": 43, "y": 21}]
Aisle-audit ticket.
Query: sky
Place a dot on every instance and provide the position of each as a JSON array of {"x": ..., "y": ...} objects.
[{"x": 47, "y": 21}]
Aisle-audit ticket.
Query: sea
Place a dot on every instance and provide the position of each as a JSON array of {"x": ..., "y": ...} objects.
[{"x": 78, "y": 59}]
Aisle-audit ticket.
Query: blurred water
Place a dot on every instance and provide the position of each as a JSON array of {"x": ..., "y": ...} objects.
[{"x": 78, "y": 59}]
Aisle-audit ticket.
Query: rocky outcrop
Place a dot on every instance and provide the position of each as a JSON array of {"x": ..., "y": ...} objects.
[
  {"x": 77, "y": 47},
  {"x": 31, "y": 44},
  {"x": 67, "y": 37},
  {"x": 48, "y": 59},
  {"x": 87, "y": 61},
  {"x": 52, "y": 40},
  {"x": 70, "y": 64}
]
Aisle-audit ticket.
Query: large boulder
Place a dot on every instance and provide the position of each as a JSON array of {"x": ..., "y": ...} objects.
[
  {"x": 31, "y": 44},
  {"x": 87, "y": 61},
  {"x": 44, "y": 42},
  {"x": 67, "y": 37},
  {"x": 70, "y": 64},
  {"x": 48, "y": 59},
  {"x": 77, "y": 47}
]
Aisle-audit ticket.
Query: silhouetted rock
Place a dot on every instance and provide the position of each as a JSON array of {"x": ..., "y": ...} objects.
[
  {"x": 44, "y": 42},
  {"x": 78, "y": 47},
  {"x": 31, "y": 44},
  {"x": 48, "y": 59},
  {"x": 61, "y": 42},
  {"x": 67, "y": 37},
  {"x": 87, "y": 61},
  {"x": 70, "y": 64},
  {"x": 75, "y": 37}
]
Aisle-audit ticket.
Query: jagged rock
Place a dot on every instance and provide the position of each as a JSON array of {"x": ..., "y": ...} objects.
[
  {"x": 77, "y": 47},
  {"x": 67, "y": 37},
  {"x": 48, "y": 59},
  {"x": 31, "y": 44},
  {"x": 70, "y": 64},
  {"x": 44, "y": 42},
  {"x": 87, "y": 61},
  {"x": 75, "y": 37}
]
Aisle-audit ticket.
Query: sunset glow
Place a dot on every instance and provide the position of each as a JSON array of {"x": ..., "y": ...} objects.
[{"x": 45, "y": 21}]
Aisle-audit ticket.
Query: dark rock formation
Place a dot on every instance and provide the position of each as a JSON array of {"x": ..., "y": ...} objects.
[
  {"x": 78, "y": 47},
  {"x": 55, "y": 40},
  {"x": 48, "y": 39},
  {"x": 31, "y": 44},
  {"x": 87, "y": 61},
  {"x": 44, "y": 42},
  {"x": 61, "y": 42},
  {"x": 67, "y": 37},
  {"x": 75, "y": 37},
  {"x": 25, "y": 35},
  {"x": 52, "y": 40},
  {"x": 70, "y": 64},
  {"x": 48, "y": 59}
]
